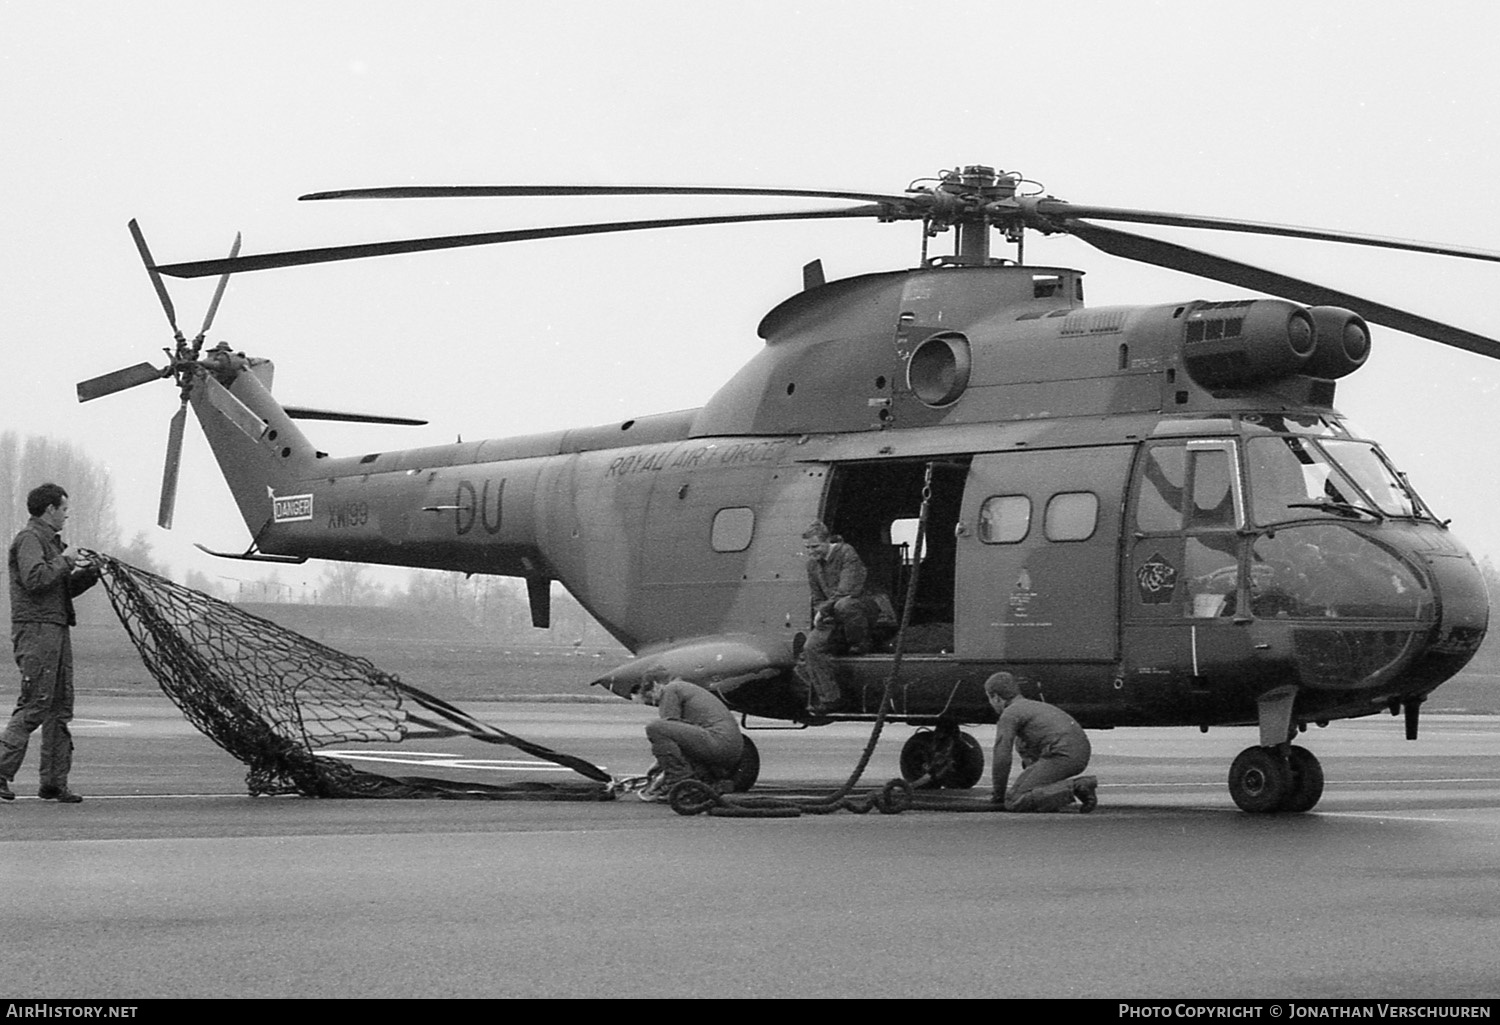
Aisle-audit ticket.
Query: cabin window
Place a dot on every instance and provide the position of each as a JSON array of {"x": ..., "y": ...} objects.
[
  {"x": 1004, "y": 519},
  {"x": 1045, "y": 286},
  {"x": 902, "y": 535},
  {"x": 1072, "y": 516},
  {"x": 733, "y": 528}
]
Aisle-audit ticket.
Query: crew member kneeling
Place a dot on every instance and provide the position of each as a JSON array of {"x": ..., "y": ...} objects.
[
  {"x": 1053, "y": 748},
  {"x": 695, "y": 736}
]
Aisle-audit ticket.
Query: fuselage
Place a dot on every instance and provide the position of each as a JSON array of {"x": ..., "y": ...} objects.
[{"x": 1139, "y": 547}]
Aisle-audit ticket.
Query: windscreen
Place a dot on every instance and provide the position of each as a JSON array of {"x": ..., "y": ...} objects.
[
  {"x": 1297, "y": 478},
  {"x": 1361, "y": 461}
]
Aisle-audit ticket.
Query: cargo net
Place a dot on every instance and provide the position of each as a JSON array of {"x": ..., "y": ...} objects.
[{"x": 272, "y": 698}]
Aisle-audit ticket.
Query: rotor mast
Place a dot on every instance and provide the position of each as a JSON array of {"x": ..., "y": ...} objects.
[{"x": 972, "y": 200}]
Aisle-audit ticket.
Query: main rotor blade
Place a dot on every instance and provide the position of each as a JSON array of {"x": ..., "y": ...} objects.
[
  {"x": 152, "y": 270},
  {"x": 213, "y": 307},
  {"x": 1059, "y": 210},
  {"x": 119, "y": 380},
  {"x": 471, "y": 191},
  {"x": 334, "y": 254},
  {"x": 1218, "y": 268},
  {"x": 169, "y": 470}
]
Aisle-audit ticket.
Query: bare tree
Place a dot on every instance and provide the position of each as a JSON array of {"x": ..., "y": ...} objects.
[
  {"x": 344, "y": 583},
  {"x": 200, "y": 581},
  {"x": 138, "y": 554},
  {"x": 34, "y": 459}
]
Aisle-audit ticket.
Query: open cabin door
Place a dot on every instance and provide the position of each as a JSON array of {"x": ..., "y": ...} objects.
[
  {"x": 876, "y": 507},
  {"x": 1038, "y": 555}
]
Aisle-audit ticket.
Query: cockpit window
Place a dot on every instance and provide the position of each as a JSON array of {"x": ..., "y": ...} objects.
[
  {"x": 1293, "y": 423},
  {"x": 1291, "y": 478},
  {"x": 1327, "y": 571},
  {"x": 1213, "y": 492},
  {"x": 1376, "y": 478},
  {"x": 1159, "y": 502}
]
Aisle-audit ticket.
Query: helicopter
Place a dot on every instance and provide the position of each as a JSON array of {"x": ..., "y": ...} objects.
[{"x": 1151, "y": 515}]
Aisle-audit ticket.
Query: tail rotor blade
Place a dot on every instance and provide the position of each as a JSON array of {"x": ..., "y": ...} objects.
[
  {"x": 119, "y": 380},
  {"x": 161, "y": 288},
  {"x": 169, "y": 471},
  {"x": 213, "y": 307}
]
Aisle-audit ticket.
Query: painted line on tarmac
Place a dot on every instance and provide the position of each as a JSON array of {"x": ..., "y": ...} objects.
[
  {"x": 1384, "y": 817},
  {"x": 98, "y": 724},
  {"x": 1409, "y": 782},
  {"x": 91, "y": 798},
  {"x": 1164, "y": 785}
]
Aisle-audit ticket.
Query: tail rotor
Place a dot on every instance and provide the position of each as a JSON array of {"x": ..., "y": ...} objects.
[{"x": 182, "y": 366}]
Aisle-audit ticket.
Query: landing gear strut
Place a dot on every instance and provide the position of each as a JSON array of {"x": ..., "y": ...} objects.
[{"x": 951, "y": 759}]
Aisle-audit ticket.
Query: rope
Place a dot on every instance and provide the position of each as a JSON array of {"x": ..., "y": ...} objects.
[{"x": 693, "y": 797}]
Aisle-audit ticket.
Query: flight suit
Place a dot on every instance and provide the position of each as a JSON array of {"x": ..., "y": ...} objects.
[
  {"x": 1053, "y": 747},
  {"x": 841, "y": 617},
  {"x": 42, "y": 586},
  {"x": 693, "y": 728}
]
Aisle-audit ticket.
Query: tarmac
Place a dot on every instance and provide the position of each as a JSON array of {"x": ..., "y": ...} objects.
[{"x": 169, "y": 881}]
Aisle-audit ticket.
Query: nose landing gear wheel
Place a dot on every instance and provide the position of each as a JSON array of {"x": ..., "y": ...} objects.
[
  {"x": 1306, "y": 781},
  {"x": 1260, "y": 780}
]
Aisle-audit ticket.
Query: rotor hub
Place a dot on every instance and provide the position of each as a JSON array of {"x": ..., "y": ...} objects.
[{"x": 970, "y": 199}]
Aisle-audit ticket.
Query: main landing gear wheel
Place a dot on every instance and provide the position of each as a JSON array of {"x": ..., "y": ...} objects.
[
  {"x": 1263, "y": 779},
  {"x": 953, "y": 759},
  {"x": 748, "y": 770}
]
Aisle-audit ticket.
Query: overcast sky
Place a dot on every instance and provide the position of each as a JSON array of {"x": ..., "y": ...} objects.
[{"x": 203, "y": 119}]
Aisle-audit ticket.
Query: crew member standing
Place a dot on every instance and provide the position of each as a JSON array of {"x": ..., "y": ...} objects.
[
  {"x": 694, "y": 735},
  {"x": 1053, "y": 748},
  {"x": 840, "y": 613},
  {"x": 45, "y": 576}
]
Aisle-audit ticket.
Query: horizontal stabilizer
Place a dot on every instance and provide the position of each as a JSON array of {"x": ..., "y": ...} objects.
[{"x": 252, "y": 556}]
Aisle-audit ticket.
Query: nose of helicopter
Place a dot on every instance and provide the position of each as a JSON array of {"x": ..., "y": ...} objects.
[
  {"x": 1463, "y": 609},
  {"x": 1397, "y": 609}
]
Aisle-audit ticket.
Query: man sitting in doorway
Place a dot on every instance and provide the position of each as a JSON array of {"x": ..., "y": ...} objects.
[{"x": 841, "y": 613}]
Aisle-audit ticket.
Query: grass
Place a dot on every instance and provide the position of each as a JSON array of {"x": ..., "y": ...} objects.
[
  {"x": 105, "y": 662},
  {"x": 477, "y": 669}
]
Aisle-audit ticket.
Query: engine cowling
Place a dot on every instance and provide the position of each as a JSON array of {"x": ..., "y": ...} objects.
[
  {"x": 938, "y": 370},
  {"x": 1343, "y": 342},
  {"x": 1247, "y": 342}
]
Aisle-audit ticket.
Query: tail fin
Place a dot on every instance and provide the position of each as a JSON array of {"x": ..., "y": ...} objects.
[{"x": 259, "y": 448}]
